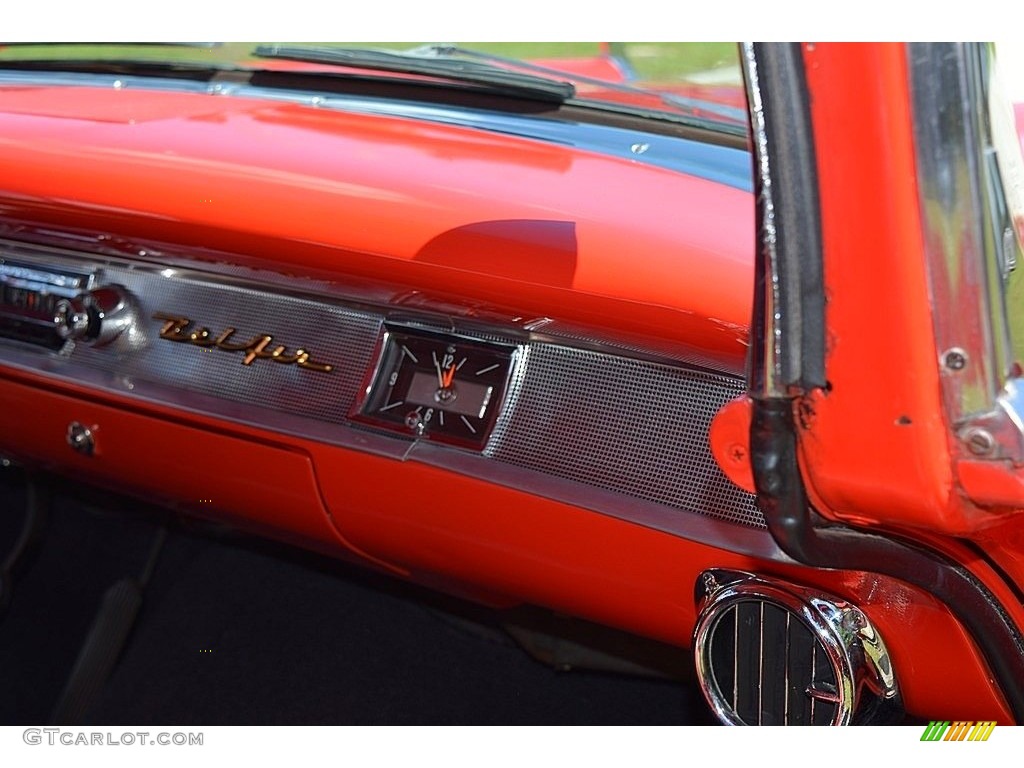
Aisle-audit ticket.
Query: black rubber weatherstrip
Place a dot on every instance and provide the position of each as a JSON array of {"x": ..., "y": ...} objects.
[
  {"x": 805, "y": 536},
  {"x": 992, "y": 563}
]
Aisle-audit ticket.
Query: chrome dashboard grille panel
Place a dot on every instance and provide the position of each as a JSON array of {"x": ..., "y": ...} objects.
[
  {"x": 632, "y": 426},
  {"x": 333, "y": 334}
]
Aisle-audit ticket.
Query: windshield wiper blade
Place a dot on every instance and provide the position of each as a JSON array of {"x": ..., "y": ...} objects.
[
  {"x": 694, "y": 106},
  {"x": 449, "y": 68}
]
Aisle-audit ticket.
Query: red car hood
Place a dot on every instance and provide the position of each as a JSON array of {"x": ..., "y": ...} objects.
[{"x": 536, "y": 227}]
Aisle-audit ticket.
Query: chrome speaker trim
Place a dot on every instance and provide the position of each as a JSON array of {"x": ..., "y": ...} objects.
[{"x": 846, "y": 680}]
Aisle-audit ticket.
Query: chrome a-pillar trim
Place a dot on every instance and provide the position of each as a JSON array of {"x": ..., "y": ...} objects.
[
  {"x": 766, "y": 372},
  {"x": 970, "y": 247},
  {"x": 855, "y": 684}
]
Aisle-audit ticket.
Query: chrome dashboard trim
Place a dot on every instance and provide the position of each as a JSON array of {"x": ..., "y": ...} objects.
[
  {"x": 766, "y": 375},
  {"x": 714, "y": 533},
  {"x": 363, "y": 313}
]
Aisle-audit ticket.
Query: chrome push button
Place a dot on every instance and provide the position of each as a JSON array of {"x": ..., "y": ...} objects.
[{"x": 71, "y": 319}]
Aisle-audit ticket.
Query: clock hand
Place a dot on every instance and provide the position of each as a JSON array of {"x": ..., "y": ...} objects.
[{"x": 440, "y": 376}]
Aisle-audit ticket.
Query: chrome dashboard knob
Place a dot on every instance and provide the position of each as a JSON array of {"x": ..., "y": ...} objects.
[
  {"x": 113, "y": 311},
  {"x": 96, "y": 317}
]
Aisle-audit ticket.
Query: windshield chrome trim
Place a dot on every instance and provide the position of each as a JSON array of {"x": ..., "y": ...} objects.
[
  {"x": 767, "y": 380},
  {"x": 961, "y": 215}
]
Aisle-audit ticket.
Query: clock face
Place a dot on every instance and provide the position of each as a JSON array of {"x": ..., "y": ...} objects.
[{"x": 438, "y": 386}]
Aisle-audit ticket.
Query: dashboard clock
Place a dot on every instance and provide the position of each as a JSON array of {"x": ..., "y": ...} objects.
[{"x": 438, "y": 386}]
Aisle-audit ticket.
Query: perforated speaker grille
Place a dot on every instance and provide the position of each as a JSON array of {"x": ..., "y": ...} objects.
[{"x": 621, "y": 424}]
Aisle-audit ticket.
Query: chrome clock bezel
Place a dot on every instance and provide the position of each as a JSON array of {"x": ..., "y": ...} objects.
[{"x": 472, "y": 433}]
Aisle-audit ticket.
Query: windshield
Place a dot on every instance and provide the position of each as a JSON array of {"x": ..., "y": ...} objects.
[{"x": 698, "y": 83}]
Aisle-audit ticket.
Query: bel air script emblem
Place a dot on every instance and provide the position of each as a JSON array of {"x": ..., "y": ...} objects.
[{"x": 178, "y": 329}]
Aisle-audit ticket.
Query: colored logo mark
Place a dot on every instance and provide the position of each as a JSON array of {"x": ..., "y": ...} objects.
[{"x": 960, "y": 730}]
